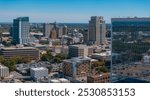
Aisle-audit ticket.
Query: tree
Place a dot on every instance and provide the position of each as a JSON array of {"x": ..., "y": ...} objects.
[
  {"x": 49, "y": 69},
  {"x": 96, "y": 64},
  {"x": 62, "y": 56},
  {"x": 2, "y": 78},
  {"x": 57, "y": 60},
  {"x": 104, "y": 69},
  {"x": 47, "y": 57},
  {"x": 10, "y": 63},
  {"x": 19, "y": 59},
  {"x": 1, "y": 59},
  {"x": 26, "y": 59}
]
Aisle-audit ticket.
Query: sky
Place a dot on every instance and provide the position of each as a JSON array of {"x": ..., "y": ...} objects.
[{"x": 72, "y": 11}]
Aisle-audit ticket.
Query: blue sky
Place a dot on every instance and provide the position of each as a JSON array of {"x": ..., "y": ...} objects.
[{"x": 72, "y": 10}]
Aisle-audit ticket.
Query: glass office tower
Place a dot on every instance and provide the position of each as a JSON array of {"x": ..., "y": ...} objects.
[
  {"x": 21, "y": 34},
  {"x": 130, "y": 50}
]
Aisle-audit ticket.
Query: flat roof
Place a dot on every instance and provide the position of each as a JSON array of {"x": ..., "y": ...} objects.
[
  {"x": 2, "y": 66},
  {"x": 39, "y": 68},
  {"x": 78, "y": 59},
  {"x": 9, "y": 48},
  {"x": 131, "y": 19},
  {"x": 80, "y": 46}
]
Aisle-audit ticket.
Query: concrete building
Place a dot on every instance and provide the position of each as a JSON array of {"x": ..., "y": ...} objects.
[
  {"x": 80, "y": 50},
  {"x": 59, "y": 80},
  {"x": 30, "y": 52},
  {"x": 4, "y": 71},
  {"x": 38, "y": 73},
  {"x": 21, "y": 33},
  {"x": 65, "y": 30},
  {"x": 146, "y": 59},
  {"x": 47, "y": 29},
  {"x": 54, "y": 34},
  {"x": 102, "y": 78},
  {"x": 104, "y": 56},
  {"x": 77, "y": 68},
  {"x": 97, "y": 30},
  {"x": 85, "y": 36}
]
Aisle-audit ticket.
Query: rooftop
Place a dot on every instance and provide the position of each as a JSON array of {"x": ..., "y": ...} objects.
[
  {"x": 39, "y": 68},
  {"x": 132, "y": 19},
  {"x": 78, "y": 59},
  {"x": 81, "y": 46},
  {"x": 1, "y": 66},
  {"x": 11, "y": 48}
]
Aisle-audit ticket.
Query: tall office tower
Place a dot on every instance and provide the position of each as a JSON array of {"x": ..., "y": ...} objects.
[
  {"x": 47, "y": 29},
  {"x": 60, "y": 33},
  {"x": 130, "y": 49},
  {"x": 85, "y": 36},
  {"x": 53, "y": 34},
  {"x": 97, "y": 30},
  {"x": 21, "y": 30},
  {"x": 65, "y": 30}
]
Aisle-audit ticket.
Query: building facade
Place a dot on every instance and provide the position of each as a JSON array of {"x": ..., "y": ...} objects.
[
  {"x": 4, "y": 71},
  {"x": 30, "y": 52},
  {"x": 77, "y": 68},
  {"x": 80, "y": 50},
  {"x": 65, "y": 30},
  {"x": 97, "y": 30},
  {"x": 38, "y": 73},
  {"x": 21, "y": 33},
  {"x": 47, "y": 29},
  {"x": 128, "y": 41},
  {"x": 102, "y": 78}
]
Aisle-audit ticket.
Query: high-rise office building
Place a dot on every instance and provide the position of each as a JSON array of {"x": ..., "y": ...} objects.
[
  {"x": 131, "y": 41},
  {"x": 47, "y": 30},
  {"x": 64, "y": 30},
  {"x": 21, "y": 33},
  {"x": 97, "y": 30}
]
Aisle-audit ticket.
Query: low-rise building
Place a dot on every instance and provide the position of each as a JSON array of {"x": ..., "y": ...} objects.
[
  {"x": 77, "y": 68},
  {"x": 104, "y": 56},
  {"x": 38, "y": 73},
  {"x": 102, "y": 78},
  {"x": 30, "y": 52},
  {"x": 59, "y": 80},
  {"x": 80, "y": 50}
]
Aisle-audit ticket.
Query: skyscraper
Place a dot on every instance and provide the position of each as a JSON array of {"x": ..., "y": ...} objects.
[
  {"x": 131, "y": 41},
  {"x": 21, "y": 34},
  {"x": 64, "y": 30},
  {"x": 21, "y": 30},
  {"x": 97, "y": 30},
  {"x": 47, "y": 29}
]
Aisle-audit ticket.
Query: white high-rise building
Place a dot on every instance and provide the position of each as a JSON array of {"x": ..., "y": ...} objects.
[{"x": 47, "y": 29}]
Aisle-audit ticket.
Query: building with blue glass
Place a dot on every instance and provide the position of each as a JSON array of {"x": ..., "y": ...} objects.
[
  {"x": 21, "y": 33},
  {"x": 131, "y": 41}
]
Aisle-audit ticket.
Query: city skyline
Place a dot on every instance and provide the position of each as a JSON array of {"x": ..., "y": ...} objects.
[{"x": 69, "y": 11}]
